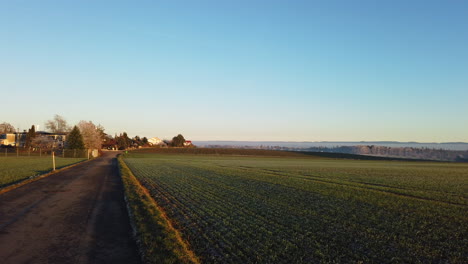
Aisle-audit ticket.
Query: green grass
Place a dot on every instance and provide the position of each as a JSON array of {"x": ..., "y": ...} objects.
[
  {"x": 156, "y": 238},
  {"x": 15, "y": 169},
  {"x": 234, "y": 209}
]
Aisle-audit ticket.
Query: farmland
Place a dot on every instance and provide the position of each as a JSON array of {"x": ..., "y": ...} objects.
[
  {"x": 300, "y": 209},
  {"x": 14, "y": 169}
]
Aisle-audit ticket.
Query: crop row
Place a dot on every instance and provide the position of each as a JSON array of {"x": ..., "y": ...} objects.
[{"x": 233, "y": 213}]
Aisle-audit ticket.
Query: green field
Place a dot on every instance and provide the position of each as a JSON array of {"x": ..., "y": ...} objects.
[
  {"x": 15, "y": 169},
  {"x": 241, "y": 209}
]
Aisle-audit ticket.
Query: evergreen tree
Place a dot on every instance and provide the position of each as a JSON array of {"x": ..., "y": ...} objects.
[
  {"x": 30, "y": 136},
  {"x": 136, "y": 141},
  {"x": 123, "y": 141},
  {"x": 75, "y": 139},
  {"x": 128, "y": 141}
]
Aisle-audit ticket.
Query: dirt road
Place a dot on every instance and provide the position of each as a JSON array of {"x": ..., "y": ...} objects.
[{"x": 74, "y": 216}]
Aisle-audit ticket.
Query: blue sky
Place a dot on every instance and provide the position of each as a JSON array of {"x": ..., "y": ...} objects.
[{"x": 240, "y": 70}]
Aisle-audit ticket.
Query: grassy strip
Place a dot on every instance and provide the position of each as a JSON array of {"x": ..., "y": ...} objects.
[
  {"x": 16, "y": 169},
  {"x": 36, "y": 178},
  {"x": 158, "y": 240}
]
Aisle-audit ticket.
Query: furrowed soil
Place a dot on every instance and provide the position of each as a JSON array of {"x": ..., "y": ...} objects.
[
  {"x": 74, "y": 216},
  {"x": 240, "y": 207}
]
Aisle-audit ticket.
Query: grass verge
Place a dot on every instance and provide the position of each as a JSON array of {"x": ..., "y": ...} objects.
[
  {"x": 157, "y": 239},
  {"x": 22, "y": 182}
]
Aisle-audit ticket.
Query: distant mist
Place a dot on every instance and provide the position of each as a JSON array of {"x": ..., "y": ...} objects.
[{"x": 458, "y": 146}]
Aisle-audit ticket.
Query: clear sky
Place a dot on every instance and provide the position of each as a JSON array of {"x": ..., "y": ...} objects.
[{"x": 240, "y": 70}]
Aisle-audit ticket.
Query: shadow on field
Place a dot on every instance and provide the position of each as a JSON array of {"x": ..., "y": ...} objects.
[
  {"x": 355, "y": 156},
  {"x": 267, "y": 153}
]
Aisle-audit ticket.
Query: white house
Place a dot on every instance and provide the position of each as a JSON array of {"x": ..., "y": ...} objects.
[{"x": 155, "y": 141}]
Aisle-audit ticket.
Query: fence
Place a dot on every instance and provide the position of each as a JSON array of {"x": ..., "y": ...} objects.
[{"x": 38, "y": 152}]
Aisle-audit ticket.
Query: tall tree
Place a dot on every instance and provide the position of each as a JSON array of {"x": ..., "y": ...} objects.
[
  {"x": 75, "y": 139},
  {"x": 43, "y": 142},
  {"x": 30, "y": 136},
  {"x": 91, "y": 135},
  {"x": 57, "y": 125},
  {"x": 6, "y": 128},
  {"x": 178, "y": 141},
  {"x": 137, "y": 141},
  {"x": 123, "y": 141}
]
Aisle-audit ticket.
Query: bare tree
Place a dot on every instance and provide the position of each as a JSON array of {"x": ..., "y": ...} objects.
[
  {"x": 6, "y": 128},
  {"x": 58, "y": 125},
  {"x": 43, "y": 142},
  {"x": 91, "y": 135}
]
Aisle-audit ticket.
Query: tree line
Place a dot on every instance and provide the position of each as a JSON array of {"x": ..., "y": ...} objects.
[
  {"x": 400, "y": 152},
  {"x": 395, "y": 152},
  {"x": 372, "y": 150},
  {"x": 84, "y": 135}
]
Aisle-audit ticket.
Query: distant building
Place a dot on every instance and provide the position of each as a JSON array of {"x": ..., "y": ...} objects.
[
  {"x": 9, "y": 139},
  {"x": 43, "y": 139},
  {"x": 155, "y": 141},
  {"x": 57, "y": 139},
  {"x": 46, "y": 140},
  {"x": 187, "y": 143}
]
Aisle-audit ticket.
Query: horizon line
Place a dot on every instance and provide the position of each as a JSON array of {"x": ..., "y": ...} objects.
[{"x": 325, "y": 141}]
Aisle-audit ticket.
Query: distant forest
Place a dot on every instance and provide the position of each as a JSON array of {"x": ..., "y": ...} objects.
[
  {"x": 373, "y": 150},
  {"x": 402, "y": 152}
]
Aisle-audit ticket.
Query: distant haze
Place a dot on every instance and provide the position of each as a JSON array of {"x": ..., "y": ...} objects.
[{"x": 447, "y": 146}]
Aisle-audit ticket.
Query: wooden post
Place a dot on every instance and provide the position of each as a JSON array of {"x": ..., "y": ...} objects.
[{"x": 53, "y": 161}]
